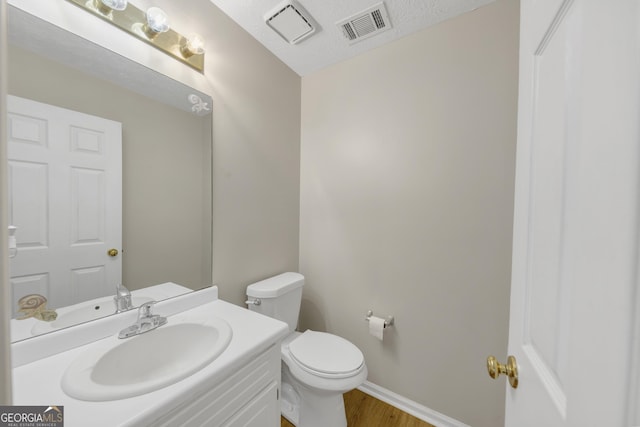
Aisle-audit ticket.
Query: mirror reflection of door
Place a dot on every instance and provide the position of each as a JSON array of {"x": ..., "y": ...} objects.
[{"x": 65, "y": 197}]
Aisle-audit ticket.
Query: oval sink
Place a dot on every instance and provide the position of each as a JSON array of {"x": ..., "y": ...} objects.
[
  {"x": 80, "y": 313},
  {"x": 146, "y": 362}
]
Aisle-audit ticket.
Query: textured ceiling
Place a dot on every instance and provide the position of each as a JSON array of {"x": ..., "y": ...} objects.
[{"x": 328, "y": 46}]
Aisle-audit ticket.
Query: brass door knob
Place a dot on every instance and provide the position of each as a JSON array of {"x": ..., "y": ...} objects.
[
  {"x": 112, "y": 252},
  {"x": 496, "y": 368}
]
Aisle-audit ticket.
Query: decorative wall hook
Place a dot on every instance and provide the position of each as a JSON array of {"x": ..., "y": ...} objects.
[{"x": 198, "y": 106}]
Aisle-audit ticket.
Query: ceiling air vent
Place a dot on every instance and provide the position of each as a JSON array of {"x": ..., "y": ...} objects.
[
  {"x": 365, "y": 24},
  {"x": 291, "y": 22}
]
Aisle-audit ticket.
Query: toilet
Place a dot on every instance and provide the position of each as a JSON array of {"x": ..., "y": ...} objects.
[{"x": 317, "y": 367}]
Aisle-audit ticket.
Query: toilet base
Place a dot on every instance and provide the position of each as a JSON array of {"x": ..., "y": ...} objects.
[
  {"x": 289, "y": 403},
  {"x": 305, "y": 406}
]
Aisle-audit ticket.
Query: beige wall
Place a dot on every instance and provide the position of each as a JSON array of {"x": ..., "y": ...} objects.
[
  {"x": 256, "y": 161},
  {"x": 166, "y": 170},
  {"x": 407, "y": 178}
]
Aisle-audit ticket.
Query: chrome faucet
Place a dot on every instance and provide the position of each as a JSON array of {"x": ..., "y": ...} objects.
[
  {"x": 122, "y": 299},
  {"x": 145, "y": 323}
]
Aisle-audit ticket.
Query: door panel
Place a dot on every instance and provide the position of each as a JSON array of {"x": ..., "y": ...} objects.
[{"x": 545, "y": 320}]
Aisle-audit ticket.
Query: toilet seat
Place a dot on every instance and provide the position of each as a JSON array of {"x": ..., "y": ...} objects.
[{"x": 326, "y": 355}]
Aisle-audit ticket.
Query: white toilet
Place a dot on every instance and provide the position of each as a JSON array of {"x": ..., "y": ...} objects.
[{"x": 317, "y": 367}]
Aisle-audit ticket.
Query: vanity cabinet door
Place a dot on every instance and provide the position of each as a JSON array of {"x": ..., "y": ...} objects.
[
  {"x": 263, "y": 410},
  {"x": 248, "y": 397}
]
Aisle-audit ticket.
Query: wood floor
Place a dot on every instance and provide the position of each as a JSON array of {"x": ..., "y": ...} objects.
[{"x": 366, "y": 411}]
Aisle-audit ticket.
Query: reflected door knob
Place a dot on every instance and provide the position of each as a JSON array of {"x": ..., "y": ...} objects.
[
  {"x": 112, "y": 252},
  {"x": 496, "y": 368}
]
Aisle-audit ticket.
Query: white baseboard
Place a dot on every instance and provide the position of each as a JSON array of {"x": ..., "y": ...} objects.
[{"x": 409, "y": 406}]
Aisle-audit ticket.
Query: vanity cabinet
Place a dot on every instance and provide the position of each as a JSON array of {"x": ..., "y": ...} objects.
[{"x": 248, "y": 397}]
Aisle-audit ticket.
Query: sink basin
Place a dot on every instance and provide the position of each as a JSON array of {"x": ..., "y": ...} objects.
[
  {"x": 83, "y": 312},
  {"x": 146, "y": 362}
]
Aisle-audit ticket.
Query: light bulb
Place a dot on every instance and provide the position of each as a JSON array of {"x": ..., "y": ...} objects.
[
  {"x": 115, "y": 4},
  {"x": 193, "y": 46},
  {"x": 157, "y": 20}
]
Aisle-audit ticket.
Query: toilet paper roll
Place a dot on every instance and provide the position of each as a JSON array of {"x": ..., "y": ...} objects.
[{"x": 376, "y": 327}]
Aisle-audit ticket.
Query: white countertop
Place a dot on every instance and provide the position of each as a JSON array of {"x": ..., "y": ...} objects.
[{"x": 38, "y": 382}]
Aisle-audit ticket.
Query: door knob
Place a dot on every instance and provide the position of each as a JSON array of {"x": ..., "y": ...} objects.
[
  {"x": 112, "y": 252},
  {"x": 496, "y": 368}
]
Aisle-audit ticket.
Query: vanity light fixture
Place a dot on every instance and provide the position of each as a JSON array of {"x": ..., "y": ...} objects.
[{"x": 151, "y": 26}]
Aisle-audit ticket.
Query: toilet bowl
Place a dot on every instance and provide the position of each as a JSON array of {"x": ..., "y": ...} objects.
[
  {"x": 317, "y": 367},
  {"x": 320, "y": 367}
]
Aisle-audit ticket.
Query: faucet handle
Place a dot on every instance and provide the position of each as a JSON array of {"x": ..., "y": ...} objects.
[
  {"x": 122, "y": 299},
  {"x": 121, "y": 290},
  {"x": 145, "y": 309},
  {"x": 146, "y": 321}
]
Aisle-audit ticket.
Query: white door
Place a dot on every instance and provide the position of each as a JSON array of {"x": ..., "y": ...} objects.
[
  {"x": 575, "y": 250},
  {"x": 65, "y": 197}
]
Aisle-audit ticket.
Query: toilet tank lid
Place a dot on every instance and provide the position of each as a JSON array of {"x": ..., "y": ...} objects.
[{"x": 276, "y": 285}]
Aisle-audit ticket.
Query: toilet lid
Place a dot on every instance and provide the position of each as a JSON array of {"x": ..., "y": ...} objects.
[{"x": 326, "y": 353}]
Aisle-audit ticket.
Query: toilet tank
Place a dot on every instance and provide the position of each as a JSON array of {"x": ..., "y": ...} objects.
[{"x": 279, "y": 297}]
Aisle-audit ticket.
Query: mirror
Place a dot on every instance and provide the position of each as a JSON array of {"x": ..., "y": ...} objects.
[{"x": 166, "y": 160}]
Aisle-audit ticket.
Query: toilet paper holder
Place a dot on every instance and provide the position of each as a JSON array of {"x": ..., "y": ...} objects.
[{"x": 388, "y": 321}]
